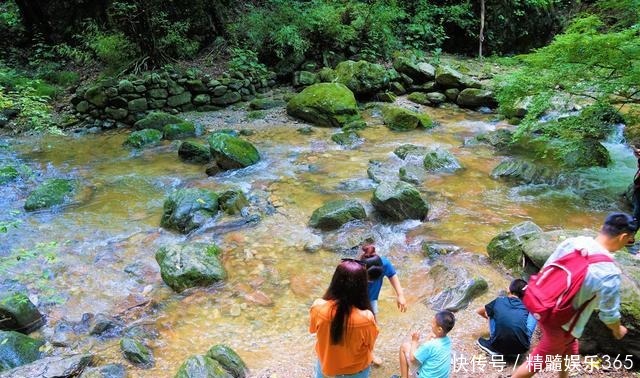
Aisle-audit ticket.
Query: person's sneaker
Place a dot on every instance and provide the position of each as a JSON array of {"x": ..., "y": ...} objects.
[{"x": 484, "y": 345}]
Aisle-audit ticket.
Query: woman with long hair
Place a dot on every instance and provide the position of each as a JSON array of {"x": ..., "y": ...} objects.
[{"x": 344, "y": 324}]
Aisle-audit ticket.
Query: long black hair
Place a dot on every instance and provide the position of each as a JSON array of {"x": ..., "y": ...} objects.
[{"x": 348, "y": 288}]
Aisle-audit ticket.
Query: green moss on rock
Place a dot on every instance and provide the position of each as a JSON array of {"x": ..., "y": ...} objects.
[
  {"x": 187, "y": 209},
  {"x": 399, "y": 201},
  {"x": 325, "y": 104},
  {"x": 178, "y": 130},
  {"x": 231, "y": 152},
  {"x": 157, "y": 120},
  {"x": 50, "y": 193},
  {"x": 141, "y": 138},
  {"x": 229, "y": 359},
  {"x": 333, "y": 214},
  {"x": 186, "y": 266},
  {"x": 401, "y": 119},
  {"x": 8, "y": 174},
  {"x": 17, "y": 349}
]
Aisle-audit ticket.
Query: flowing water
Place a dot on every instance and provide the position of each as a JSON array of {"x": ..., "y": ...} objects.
[{"x": 97, "y": 255}]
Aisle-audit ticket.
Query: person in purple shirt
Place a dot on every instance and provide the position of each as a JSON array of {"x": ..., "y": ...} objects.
[{"x": 377, "y": 268}]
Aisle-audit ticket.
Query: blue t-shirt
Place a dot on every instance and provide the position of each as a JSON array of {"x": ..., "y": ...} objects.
[
  {"x": 512, "y": 333},
  {"x": 375, "y": 286},
  {"x": 435, "y": 358}
]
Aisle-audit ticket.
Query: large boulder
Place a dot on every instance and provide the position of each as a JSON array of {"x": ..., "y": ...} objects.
[
  {"x": 50, "y": 193},
  {"x": 65, "y": 366},
  {"x": 334, "y": 214},
  {"x": 454, "y": 287},
  {"x": 506, "y": 247},
  {"x": 193, "y": 152},
  {"x": 229, "y": 359},
  {"x": 157, "y": 120},
  {"x": 399, "y": 201},
  {"x": 183, "y": 267},
  {"x": 231, "y": 152},
  {"x": 202, "y": 367},
  {"x": 447, "y": 77},
  {"x": 362, "y": 78},
  {"x": 18, "y": 313},
  {"x": 401, "y": 119},
  {"x": 420, "y": 72},
  {"x": 144, "y": 137},
  {"x": 475, "y": 98},
  {"x": 325, "y": 104},
  {"x": 522, "y": 171},
  {"x": 187, "y": 209},
  {"x": 17, "y": 349}
]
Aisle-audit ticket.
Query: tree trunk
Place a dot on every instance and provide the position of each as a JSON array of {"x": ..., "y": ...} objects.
[
  {"x": 34, "y": 18},
  {"x": 481, "y": 34}
]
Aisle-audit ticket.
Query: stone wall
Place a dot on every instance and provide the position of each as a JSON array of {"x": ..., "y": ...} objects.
[{"x": 119, "y": 103}]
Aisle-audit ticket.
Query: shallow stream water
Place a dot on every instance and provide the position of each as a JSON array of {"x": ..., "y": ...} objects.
[{"x": 97, "y": 255}]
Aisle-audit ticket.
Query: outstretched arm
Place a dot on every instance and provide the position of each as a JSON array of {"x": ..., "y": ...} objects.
[
  {"x": 482, "y": 312},
  {"x": 400, "y": 300}
]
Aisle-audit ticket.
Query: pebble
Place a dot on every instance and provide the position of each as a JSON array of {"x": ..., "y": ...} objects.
[{"x": 236, "y": 310}]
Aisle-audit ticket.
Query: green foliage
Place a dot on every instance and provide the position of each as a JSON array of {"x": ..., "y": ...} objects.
[
  {"x": 426, "y": 30},
  {"x": 246, "y": 61}
]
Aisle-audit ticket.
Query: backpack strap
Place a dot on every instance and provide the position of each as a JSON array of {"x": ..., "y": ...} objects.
[{"x": 598, "y": 257}]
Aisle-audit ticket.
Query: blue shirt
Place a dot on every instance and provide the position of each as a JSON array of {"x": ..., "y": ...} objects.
[
  {"x": 435, "y": 358},
  {"x": 375, "y": 286},
  {"x": 511, "y": 334}
]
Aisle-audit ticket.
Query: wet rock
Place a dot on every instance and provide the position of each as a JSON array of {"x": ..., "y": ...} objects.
[
  {"x": 141, "y": 138},
  {"x": 433, "y": 250},
  {"x": 188, "y": 209},
  {"x": 385, "y": 96},
  {"x": 348, "y": 139},
  {"x": 413, "y": 174},
  {"x": 506, "y": 247},
  {"x": 104, "y": 325},
  {"x": 362, "y": 78},
  {"x": 52, "y": 367},
  {"x": 50, "y": 193},
  {"x": 178, "y": 130},
  {"x": 452, "y": 94},
  {"x": 399, "y": 201},
  {"x": 306, "y": 130},
  {"x": 213, "y": 168},
  {"x": 7, "y": 174},
  {"x": 202, "y": 367},
  {"x": 136, "y": 352},
  {"x": 231, "y": 152},
  {"x": 96, "y": 96},
  {"x": 354, "y": 126},
  {"x": 348, "y": 239},
  {"x": 436, "y": 98},
  {"x": 105, "y": 371},
  {"x": 17, "y": 349},
  {"x": 410, "y": 150},
  {"x": 194, "y": 152},
  {"x": 229, "y": 360},
  {"x": 325, "y": 104},
  {"x": 333, "y": 214},
  {"x": 18, "y": 313},
  {"x": 232, "y": 201},
  {"x": 380, "y": 171},
  {"x": 447, "y": 77},
  {"x": 522, "y": 171},
  {"x": 419, "y": 72},
  {"x": 458, "y": 297},
  {"x": 499, "y": 139},
  {"x": 440, "y": 160},
  {"x": 157, "y": 120},
  {"x": 179, "y": 100},
  {"x": 183, "y": 267},
  {"x": 475, "y": 98},
  {"x": 401, "y": 119}
]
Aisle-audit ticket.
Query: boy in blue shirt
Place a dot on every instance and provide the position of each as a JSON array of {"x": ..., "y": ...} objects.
[{"x": 434, "y": 356}]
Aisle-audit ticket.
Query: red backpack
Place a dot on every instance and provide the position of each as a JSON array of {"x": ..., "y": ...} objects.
[{"x": 549, "y": 294}]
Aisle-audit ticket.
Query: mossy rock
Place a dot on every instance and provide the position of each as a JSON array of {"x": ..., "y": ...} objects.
[
  {"x": 447, "y": 77},
  {"x": 178, "y": 130},
  {"x": 475, "y": 98},
  {"x": 399, "y": 201},
  {"x": 347, "y": 138},
  {"x": 231, "y": 152},
  {"x": 326, "y": 75},
  {"x": 506, "y": 247},
  {"x": 187, "y": 209},
  {"x": 420, "y": 72},
  {"x": 17, "y": 349},
  {"x": 232, "y": 201},
  {"x": 333, "y": 214},
  {"x": 362, "y": 78},
  {"x": 458, "y": 298},
  {"x": 194, "y": 152},
  {"x": 440, "y": 160},
  {"x": 401, "y": 119},
  {"x": 354, "y": 126},
  {"x": 522, "y": 171},
  {"x": 136, "y": 352},
  {"x": 50, "y": 193},
  {"x": 7, "y": 174},
  {"x": 187, "y": 266},
  {"x": 325, "y": 104},
  {"x": 303, "y": 78},
  {"x": 419, "y": 98},
  {"x": 229, "y": 359},
  {"x": 157, "y": 120},
  {"x": 142, "y": 138},
  {"x": 265, "y": 103},
  {"x": 96, "y": 96},
  {"x": 18, "y": 313},
  {"x": 410, "y": 150},
  {"x": 202, "y": 367},
  {"x": 413, "y": 174}
]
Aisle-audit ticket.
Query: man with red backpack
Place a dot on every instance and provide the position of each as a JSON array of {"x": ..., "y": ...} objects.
[{"x": 577, "y": 278}]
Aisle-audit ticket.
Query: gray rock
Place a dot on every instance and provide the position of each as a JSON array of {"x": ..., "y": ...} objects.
[
  {"x": 52, "y": 367},
  {"x": 333, "y": 214},
  {"x": 183, "y": 267},
  {"x": 399, "y": 201}
]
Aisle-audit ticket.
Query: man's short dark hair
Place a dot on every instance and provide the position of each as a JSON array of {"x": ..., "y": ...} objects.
[
  {"x": 446, "y": 320},
  {"x": 619, "y": 223},
  {"x": 517, "y": 287}
]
